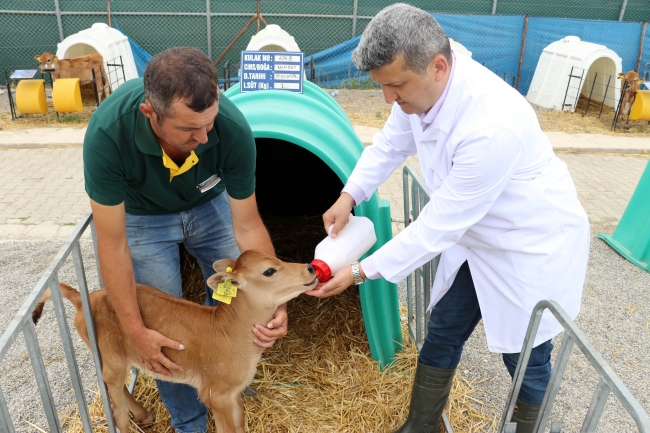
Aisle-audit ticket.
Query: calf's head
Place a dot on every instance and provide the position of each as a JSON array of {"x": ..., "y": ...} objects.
[
  {"x": 630, "y": 80},
  {"x": 265, "y": 278},
  {"x": 48, "y": 61}
]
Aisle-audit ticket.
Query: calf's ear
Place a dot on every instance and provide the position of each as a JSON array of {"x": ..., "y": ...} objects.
[
  {"x": 221, "y": 265},
  {"x": 220, "y": 277},
  {"x": 55, "y": 58},
  {"x": 38, "y": 58}
]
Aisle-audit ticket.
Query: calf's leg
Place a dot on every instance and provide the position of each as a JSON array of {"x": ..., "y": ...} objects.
[
  {"x": 228, "y": 413},
  {"x": 141, "y": 415},
  {"x": 115, "y": 384}
]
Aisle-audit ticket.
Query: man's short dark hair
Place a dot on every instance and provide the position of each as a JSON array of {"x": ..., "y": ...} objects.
[{"x": 180, "y": 73}]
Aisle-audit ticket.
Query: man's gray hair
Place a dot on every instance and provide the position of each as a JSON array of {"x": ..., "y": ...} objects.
[{"x": 401, "y": 29}]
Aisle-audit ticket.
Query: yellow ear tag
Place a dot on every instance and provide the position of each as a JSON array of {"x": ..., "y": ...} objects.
[{"x": 226, "y": 290}]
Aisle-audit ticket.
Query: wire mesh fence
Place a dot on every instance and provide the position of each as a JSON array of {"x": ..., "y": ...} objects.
[{"x": 497, "y": 32}]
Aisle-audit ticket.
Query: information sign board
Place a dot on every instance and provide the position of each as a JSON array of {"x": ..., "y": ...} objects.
[
  {"x": 24, "y": 73},
  {"x": 264, "y": 70}
]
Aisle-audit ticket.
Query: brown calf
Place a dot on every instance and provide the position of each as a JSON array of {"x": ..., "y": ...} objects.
[
  {"x": 78, "y": 67},
  {"x": 220, "y": 357},
  {"x": 629, "y": 86}
]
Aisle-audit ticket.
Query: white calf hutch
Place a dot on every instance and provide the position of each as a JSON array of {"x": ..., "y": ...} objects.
[{"x": 566, "y": 65}]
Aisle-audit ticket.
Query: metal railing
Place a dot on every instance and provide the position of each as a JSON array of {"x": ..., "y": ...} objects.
[
  {"x": 22, "y": 323},
  {"x": 595, "y": 94},
  {"x": 609, "y": 382},
  {"x": 590, "y": 92},
  {"x": 506, "y": 76},
  {"x": 418, "y": 285}
]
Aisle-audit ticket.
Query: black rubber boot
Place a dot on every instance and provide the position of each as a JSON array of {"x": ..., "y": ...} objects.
[
  {"x": 431, "y": 388},
  {"x": 525, "y": 416}
]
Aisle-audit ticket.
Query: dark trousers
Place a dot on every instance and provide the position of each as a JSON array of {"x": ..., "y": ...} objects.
[{"x": 452, "y": 322}]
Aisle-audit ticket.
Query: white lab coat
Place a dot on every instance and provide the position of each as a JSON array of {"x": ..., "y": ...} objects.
[{"x": 500, "y": 199}]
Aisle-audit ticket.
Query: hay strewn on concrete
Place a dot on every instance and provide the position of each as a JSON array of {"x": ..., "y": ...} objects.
[
  {"x": 368, "y": 108},
  {"x": 580, "y": 123},
  {"x": 321, "y": 378}
]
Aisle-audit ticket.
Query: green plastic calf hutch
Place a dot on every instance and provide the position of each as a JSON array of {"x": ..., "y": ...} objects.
[{"x": 306, "y": 150}]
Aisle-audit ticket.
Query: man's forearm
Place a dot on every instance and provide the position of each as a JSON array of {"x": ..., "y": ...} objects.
[
  {"x": 119, "y": 280},
  {"x": 255, "y": 238}
]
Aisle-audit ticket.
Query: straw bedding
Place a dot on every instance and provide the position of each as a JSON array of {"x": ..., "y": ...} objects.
[{"x": 320, "y": 377}]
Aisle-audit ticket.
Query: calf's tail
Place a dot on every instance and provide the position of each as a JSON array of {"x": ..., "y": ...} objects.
[{"x": 67, "y": 291}]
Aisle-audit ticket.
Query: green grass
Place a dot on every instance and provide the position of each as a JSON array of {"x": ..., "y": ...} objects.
[
  {"x": 69, "y": 118},
  {"x": 361, "y": 84}
]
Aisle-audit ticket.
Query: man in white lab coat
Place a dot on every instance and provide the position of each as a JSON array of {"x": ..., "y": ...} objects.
[{"x": 504, "y": 212}]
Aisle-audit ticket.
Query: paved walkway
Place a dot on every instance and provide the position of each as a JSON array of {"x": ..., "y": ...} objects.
[{"x": 42, "y": 187}]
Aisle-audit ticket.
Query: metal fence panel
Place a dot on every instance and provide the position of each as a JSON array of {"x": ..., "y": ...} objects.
[
  {"x": 49, "y": 365},
  {"x": 418, "y": 285},
  {"x": 224, "y": 31},
  {"x": 586, "y": 9},
  {"x": 31, "y": 26},
  {"x": 6, "y": 425},
  {"x": 83, "y": 6},
  {"x": 75, "y": 23},
  {"x": 159, "y": 32},
  {"x": 609, "y": 381},
  {"x": 481, "y": 7},
  {"x": 24, "y": 36},
  {"x": 170, "y": 6},
  {"x": 42, "y": 380},
  {"x": 28, "y": 5},
  {"x": 637, "y": 10},
  {"x": 327, "y": 7}
]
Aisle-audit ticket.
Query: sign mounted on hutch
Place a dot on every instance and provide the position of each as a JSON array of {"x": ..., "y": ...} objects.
[{"x": 264, "y": 70}]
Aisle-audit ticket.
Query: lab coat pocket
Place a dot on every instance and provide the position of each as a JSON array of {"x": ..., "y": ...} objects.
[{"x": 537, "y": 252}]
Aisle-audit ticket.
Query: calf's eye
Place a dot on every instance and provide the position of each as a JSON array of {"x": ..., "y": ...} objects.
[{"x": 269, "y": 272}]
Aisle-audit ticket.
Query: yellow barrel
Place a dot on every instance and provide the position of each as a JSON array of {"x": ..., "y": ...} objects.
[
  {"x": 641, "y": 108},
  {"x": 66, "y": 95},
  {"x": 30, "y": 97}
]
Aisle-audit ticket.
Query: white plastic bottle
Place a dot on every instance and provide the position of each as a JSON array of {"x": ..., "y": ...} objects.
[{"x": 332, "y": 255}]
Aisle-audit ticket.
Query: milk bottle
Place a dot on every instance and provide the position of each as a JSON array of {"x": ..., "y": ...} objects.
[{"x": 332, "y": 255}]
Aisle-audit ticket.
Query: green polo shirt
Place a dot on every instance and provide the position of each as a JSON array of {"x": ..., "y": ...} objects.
[{"x": 123, "y": 160}]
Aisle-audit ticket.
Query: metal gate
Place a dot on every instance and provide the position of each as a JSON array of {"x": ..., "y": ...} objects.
[
  {"x": 418, "y": 287},
  {"x": 22, "y": 323},
  {"x": 418, "y": 284},
  {"x": 609, "y": 382}
]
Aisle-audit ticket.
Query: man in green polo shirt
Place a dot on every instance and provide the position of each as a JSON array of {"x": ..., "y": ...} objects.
[{"x": 169, "y": 161}]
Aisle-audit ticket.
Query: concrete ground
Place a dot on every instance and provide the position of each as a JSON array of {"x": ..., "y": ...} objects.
[
  {"x": 42, "y": 190},
  {"x": 42, "y": 198}
]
